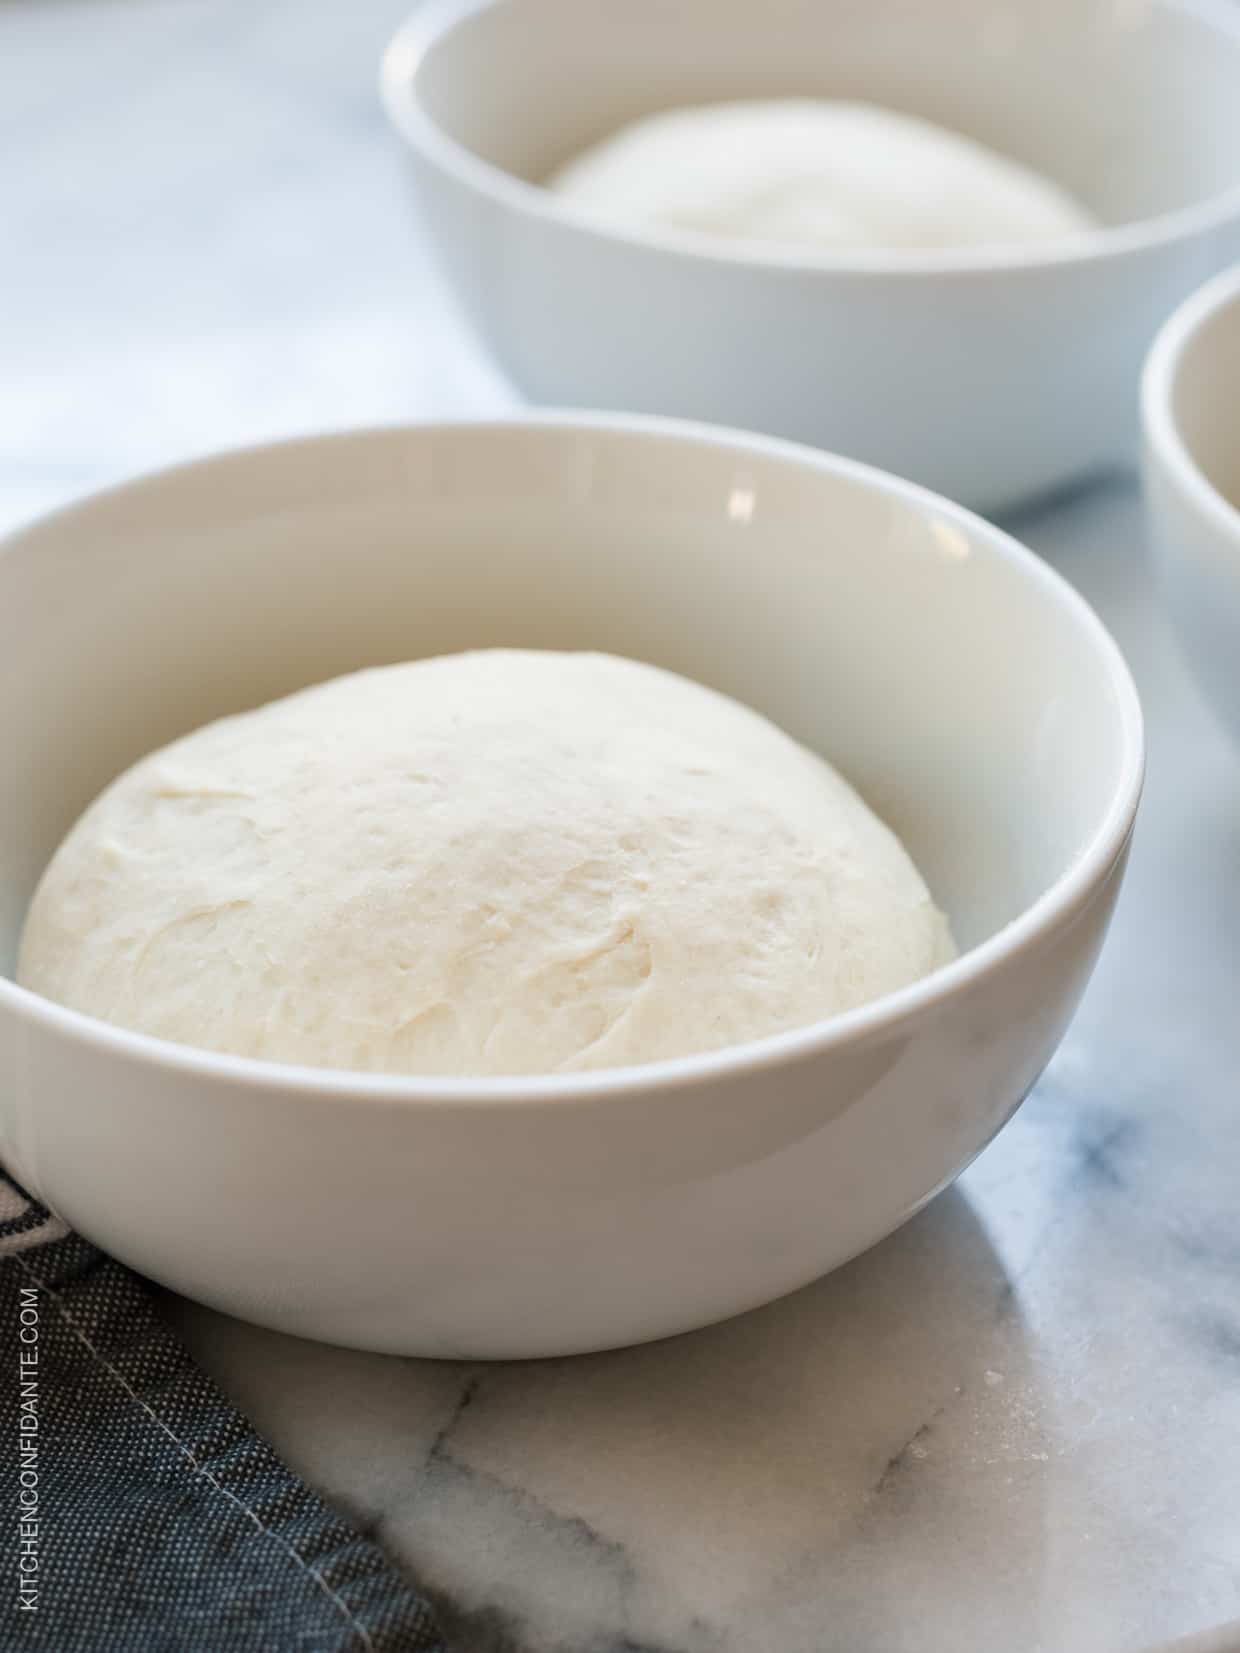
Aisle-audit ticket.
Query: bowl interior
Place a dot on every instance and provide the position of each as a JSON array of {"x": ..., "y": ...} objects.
[
  {"x": 1130, "y": 104},
  {"x": 973, "y": 701},
  {"x": 1203, "y": 396}
]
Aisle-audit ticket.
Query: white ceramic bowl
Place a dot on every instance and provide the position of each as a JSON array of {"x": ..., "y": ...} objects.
[
  {"x": 989, "y": 377},
  {"x": 1191, "y": 408},
  {"x": 965, "y": 688}
]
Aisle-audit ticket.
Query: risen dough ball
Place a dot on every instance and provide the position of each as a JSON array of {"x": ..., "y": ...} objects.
[
  {"x": 811, "y": 173},
  {"x": 490, "y": 863}
]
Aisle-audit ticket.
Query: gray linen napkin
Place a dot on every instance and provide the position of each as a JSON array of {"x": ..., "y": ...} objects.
[{"x": 143, "y": 1513}]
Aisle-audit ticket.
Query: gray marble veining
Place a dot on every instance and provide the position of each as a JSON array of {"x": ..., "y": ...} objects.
[{"x": 1016, "y": 1424}]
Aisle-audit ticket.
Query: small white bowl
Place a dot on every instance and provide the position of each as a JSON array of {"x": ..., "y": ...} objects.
[
  {"x": 990, "y": 376},
  {"x": 1191, "y": 406},
  {"x": 966, "y": 689}
]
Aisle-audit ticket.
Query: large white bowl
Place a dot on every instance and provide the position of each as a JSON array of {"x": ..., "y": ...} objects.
[
  {"x": 1191, "y": 407},
  {"x": 965, "y": 688},
  {"x": 991, "y": 377}
]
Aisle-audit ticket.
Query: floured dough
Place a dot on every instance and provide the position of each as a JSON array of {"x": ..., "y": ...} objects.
[
  {"x": 819, "y": 174},
  {"x": 490, "y": 863}
]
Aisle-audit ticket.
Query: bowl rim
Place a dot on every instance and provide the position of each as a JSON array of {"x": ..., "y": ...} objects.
[
  {"x": 1160, "y": 379},
  {"x": 435, "y": 19},
  {"x": 1055, "y": 907}
]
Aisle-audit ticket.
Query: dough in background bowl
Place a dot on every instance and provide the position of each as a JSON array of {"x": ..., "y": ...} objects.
[
  {"x": 813, "y": 173},
  {"x": 501, "y": 862}
]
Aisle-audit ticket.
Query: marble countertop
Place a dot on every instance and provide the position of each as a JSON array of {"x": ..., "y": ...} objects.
[{"x": 1013, "y": 1426}]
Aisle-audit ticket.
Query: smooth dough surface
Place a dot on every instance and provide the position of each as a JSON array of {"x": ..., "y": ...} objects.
[
  {"x": 494, "y": 863},
  {"x": 813, "y": 173}
]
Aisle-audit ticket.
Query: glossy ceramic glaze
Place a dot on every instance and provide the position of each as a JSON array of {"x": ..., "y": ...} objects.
[
  {"x": 991, "y": 378},
  {"x": 1190, "y": 402},
  {"x": 970, "y": 694}
]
